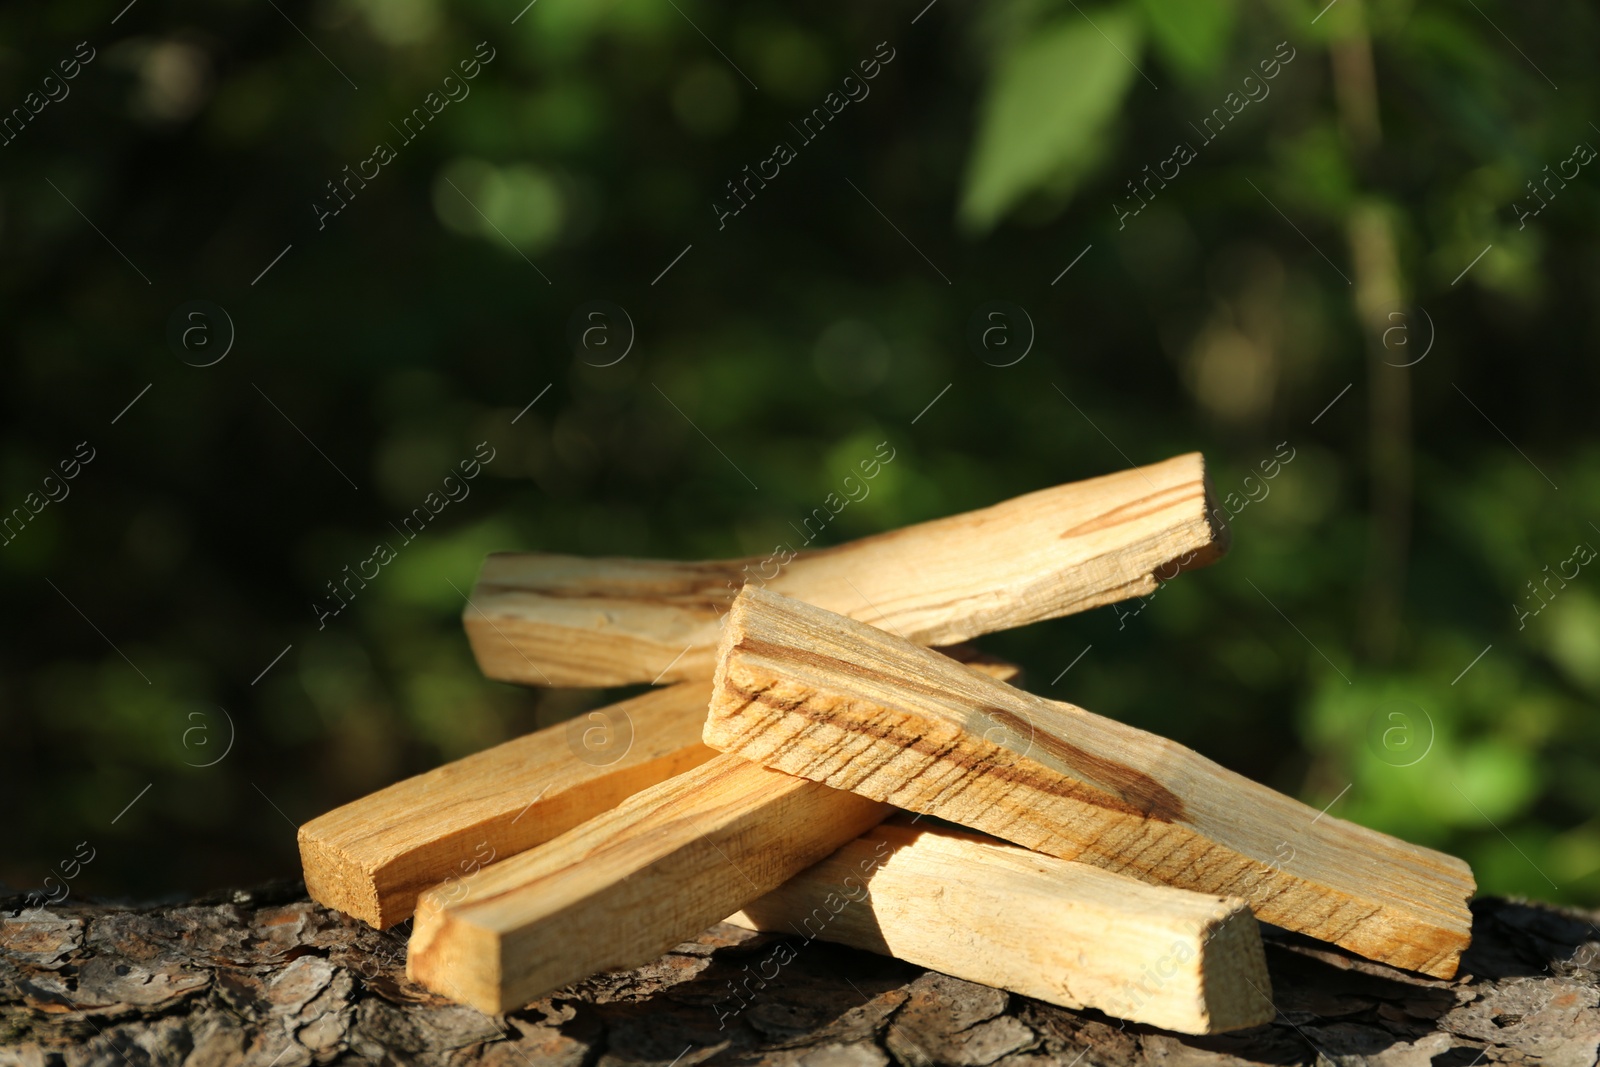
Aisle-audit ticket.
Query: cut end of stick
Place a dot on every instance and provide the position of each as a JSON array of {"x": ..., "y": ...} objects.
[
  {"x": 1221, "y": 534},
  {"x": 1061, "y": 932},
  {"x": 370, "y": 858},
  {"x": 1235, "y": 991},
  {"x": 336, "y": 879},
  {"x": 456, "y": 958}
]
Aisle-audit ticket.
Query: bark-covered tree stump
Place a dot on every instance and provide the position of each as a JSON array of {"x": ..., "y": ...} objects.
[{"x": 268, "y": 978}]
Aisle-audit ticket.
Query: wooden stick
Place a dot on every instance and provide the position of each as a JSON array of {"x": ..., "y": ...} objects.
[
  {"x": 628, "y": 884},
  {"x": 815, "y": 694},
  {"x": 371, "y": 857},
  {"x": 765, "y": 815},
  {"x": 1047, "y": 928},
  {"x": 563, "y": 620}
]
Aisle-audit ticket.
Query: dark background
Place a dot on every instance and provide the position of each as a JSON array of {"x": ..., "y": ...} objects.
[{"x": 1273, "y": 292}]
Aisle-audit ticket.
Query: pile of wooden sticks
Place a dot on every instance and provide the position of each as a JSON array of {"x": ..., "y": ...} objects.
[{"x": 1071, "y": 858}]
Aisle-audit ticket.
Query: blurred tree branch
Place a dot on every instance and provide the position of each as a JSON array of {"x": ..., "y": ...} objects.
[{"x": 1379, "y": 294}]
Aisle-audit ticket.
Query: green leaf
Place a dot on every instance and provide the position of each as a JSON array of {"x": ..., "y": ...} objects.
[
  {"x": 1046, "y": 116},
  {"x": 1191, "y": 36}
]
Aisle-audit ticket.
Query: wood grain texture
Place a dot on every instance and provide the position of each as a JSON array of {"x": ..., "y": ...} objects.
[
  {"x": 628, "y": 884},
  {"x": 562, "y": 620},
  {"x": 370, "y": 858},
  {"x": 1064, "y": 933},
  {"x": 814, "y": 694}
]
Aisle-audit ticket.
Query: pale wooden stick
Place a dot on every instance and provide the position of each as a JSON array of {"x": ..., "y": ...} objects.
[
  {"x": 815, "y": 694},
  {"x": 628, "y": 884},
  {"x": 563, "y": 620},
  {"x": 1047, "y": 928},
  {"x": 371, "y": 857}
]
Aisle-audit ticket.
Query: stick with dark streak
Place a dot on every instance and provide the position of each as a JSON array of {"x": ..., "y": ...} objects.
[{"x": 814, "y": 694}]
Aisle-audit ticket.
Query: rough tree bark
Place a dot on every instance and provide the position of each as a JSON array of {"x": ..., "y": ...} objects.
[{"x": 265, "y": 977}]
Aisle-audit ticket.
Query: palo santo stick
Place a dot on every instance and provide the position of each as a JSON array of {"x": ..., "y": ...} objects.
[
  {"x": 628, "y": 884},
  {"x": 1061, "y": 932},
  {"x": 815, "y": 694},
  {"x": 371, "y": 857},
  {"x": 563, "y": 620}
]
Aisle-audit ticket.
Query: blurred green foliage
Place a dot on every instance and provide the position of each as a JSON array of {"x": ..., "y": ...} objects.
[{"x": 1225, "y": 317}]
